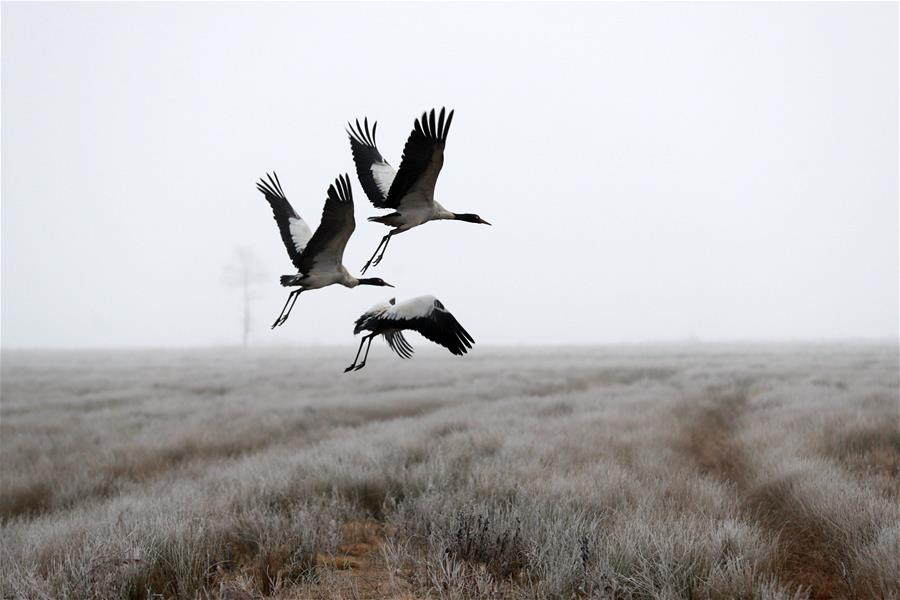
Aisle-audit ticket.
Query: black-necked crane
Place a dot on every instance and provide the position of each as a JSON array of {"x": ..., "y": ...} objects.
[
  {"x": 318, "y": 256},
  {"x": 409, "y": 192},
  {"x": 424, "y": 314}
]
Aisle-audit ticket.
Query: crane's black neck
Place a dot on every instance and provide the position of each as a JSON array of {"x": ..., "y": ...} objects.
[
  {"x": 468, "y": 217},
  {"x": 371, "y": 281}
]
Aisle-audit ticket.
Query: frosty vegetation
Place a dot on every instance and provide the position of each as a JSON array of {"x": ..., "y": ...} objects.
[{"x": 654, "y": 472}]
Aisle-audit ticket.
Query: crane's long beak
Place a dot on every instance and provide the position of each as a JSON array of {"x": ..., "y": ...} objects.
[
  {"x": 387, "y": 284},
  {"x": 482, "y": 221}
]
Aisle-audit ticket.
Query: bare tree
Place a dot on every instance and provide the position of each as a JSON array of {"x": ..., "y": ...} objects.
[{"x": 245, "y": 272}]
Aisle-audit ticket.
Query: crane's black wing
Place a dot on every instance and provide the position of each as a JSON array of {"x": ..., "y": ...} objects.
[
  {"x": 427, "y": 316},
  {"x": 398, "y": 344},
  {"x": 375, "y": 174},
  {"x": 295, "y": 233},
  {"x": 423, "y": 157},
  {"x": 325, "y": 250}
]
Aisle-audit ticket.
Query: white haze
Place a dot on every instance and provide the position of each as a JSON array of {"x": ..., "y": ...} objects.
[{"x": 652, "y": 171}]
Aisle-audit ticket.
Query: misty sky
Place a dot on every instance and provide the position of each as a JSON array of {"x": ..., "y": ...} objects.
[{"x": 652, "y": 171}]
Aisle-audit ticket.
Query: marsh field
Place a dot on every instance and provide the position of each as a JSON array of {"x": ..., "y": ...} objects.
[{"x": 703, "y": 471}]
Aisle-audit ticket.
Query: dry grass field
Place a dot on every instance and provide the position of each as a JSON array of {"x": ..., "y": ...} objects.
[{"x": 636, "y": 472}]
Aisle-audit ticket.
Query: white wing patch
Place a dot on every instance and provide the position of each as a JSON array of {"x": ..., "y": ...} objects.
[
  {"x": 384, "y": 175},
  {"x": 300, "y": 233},
  {"x": 379, "y": 308},
  {"x": 412, "y": 309}
]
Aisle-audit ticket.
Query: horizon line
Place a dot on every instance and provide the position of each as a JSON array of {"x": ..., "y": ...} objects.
[{"x": 685, "y": 342}]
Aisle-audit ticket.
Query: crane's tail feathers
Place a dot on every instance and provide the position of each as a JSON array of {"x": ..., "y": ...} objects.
[
  {"x": 289, "y": 280},
  {"x": 389, "y": 219}
]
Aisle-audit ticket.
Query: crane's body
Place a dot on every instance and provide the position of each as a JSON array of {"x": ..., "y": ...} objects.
[
  {"x": 418, "y": 214},
  {"x": 425, "y": 315},
  {"x": 320, "y": 279}
]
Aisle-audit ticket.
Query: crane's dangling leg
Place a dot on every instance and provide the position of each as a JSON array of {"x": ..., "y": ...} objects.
[
  {"x": 383, "y": 249},
  {"x": 383, "y": 241},
  {"x": 366, "y": 355},
  {"x": 284, "y": 315},
  {"x": 358, "y": 350},
  {"x": 291, "y": 307},
  {"x": 281, "y": 314}
]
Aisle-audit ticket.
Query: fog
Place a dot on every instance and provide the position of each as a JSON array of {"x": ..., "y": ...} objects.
[{"x": 661, "y": 172}]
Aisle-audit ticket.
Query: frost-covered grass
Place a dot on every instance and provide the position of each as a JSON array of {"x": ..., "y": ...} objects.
[{"x": 641, "y": 472}]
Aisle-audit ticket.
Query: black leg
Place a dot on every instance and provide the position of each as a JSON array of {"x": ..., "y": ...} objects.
[
  {"x": 369, "y": 262},
  {"x": 284, "y": 316},
  {"x": 363, "y": 363},
  {"x": 281, "y": 314},
  {"x": 383, "y": 249},
  {"x": 361, "y": 342},
  {"x": 291, "y": 307}
]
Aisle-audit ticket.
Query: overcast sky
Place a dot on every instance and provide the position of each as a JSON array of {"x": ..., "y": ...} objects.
[{"x": 652, "y": 171}]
